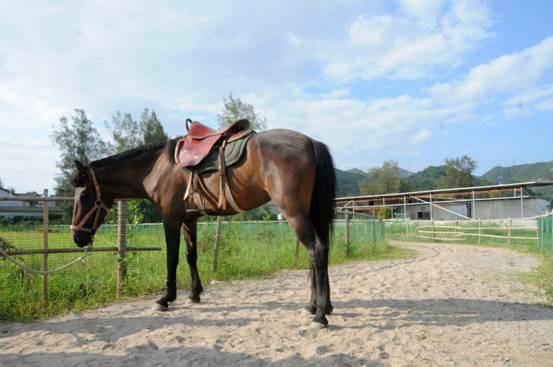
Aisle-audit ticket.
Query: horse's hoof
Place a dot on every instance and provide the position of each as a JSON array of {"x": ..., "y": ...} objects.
[
  {"x": 158, "y": 307},
  {"x": 194, "y": 299},
  {"x": 317, "y": 325},
  {"x": 320, "y": 320}
]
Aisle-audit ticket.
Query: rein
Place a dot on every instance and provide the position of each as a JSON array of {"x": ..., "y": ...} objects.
[{"x": 97, "y": 208}]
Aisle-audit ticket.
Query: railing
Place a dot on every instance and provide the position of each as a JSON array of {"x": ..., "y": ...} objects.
[
  {"x": 533, "y": 232},
  {"x": 129, "y": 258}
]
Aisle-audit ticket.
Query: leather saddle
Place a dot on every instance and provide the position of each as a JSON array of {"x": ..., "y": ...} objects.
[
  {"x": 194, "y": 147},
  {"x": 201, "y": 139}
]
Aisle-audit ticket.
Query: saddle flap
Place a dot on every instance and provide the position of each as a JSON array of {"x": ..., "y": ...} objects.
[{"x": 189, "y": 152}]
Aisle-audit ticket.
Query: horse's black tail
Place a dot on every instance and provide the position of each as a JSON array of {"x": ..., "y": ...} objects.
[{"x": 324, "y": 193}]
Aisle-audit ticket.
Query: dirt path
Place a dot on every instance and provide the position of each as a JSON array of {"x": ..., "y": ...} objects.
[{"x": 450, "y": 306}]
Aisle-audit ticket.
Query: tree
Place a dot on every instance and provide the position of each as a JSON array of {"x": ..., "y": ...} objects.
[
  {"x": 128, "y": 133},
  {"x": 458, "y": 173},
  {"x": 382, "y": 180},
  {"x": 152, "y": 130},
  {"x": 76, "y": 140},
  {"x": 235, "y": 109},
  {"x": 125, "y": 133}
]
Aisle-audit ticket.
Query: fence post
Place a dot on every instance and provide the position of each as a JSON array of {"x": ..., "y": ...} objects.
[
  {"x": 297, "y": 253},
  {"x": 541, "y": 223},
  {"x": 510, "y": 230},
  {"x": 346, "y": 229},
  {"x": 45, "y": 246},
  {"x": 374, "y": 231},
  {"x": 479, "y": 231},
  {"x": 217, "y": 244},
  {"x": 432, "y": 231},
  {"x": 121, "y": 246},
  {"x": 257, "y": 229}
]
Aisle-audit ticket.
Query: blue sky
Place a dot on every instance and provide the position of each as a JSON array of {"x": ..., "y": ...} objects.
[{"x": 411, "y": 80}]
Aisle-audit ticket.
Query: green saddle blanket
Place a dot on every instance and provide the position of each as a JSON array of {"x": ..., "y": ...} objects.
[{"x": 234, "y": 151}]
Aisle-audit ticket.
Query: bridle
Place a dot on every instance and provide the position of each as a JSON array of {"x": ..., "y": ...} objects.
[{"x": 96, "y": 209}]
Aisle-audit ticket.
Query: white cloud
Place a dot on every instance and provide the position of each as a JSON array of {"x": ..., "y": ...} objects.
[
  {"x": 420, "y": 136},
  {"x": 412, "y": 46},
  {"x": 504, "y": 75},
  {"x": 540, "y": 98}
]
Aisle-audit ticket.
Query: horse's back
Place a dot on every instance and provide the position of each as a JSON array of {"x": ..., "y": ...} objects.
[{"x": 285, "y": 143}]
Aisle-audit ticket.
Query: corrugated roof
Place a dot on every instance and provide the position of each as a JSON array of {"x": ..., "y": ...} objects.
[{"x": 453, "y": 190}]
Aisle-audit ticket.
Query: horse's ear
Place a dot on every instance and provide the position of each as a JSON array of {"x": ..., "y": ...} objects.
[{"x": 80, "y": 176}]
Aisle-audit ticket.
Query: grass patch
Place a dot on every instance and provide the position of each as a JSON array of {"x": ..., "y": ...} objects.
[{"x": 246, "y": 251}]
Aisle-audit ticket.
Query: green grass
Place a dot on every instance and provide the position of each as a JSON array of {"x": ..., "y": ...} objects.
[{"x": 248, "y": 250}]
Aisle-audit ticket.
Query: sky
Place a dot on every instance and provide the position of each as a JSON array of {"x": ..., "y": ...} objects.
[{"x": 410, "y": 80}]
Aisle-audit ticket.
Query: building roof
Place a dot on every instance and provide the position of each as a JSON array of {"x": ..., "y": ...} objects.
[{"x": 475, "y": 189}]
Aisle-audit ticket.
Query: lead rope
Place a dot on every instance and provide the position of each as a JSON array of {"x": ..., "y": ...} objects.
[{"x": 42, "y": 272}]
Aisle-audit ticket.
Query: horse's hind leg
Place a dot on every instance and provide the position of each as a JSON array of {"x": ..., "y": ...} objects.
[
  {"x": 192, "y": 258},
  {"x": 318, "y": 256}
]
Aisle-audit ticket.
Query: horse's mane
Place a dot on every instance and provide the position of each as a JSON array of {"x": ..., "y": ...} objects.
[{"x": 169, "y": 145}]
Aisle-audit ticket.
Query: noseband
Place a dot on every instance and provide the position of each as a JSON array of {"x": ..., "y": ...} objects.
[{"x": 96, "y": 209}]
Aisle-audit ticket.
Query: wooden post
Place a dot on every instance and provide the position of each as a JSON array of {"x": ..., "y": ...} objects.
[
  {"x": 217, "y": 244},
  {"x": 374, "y": 231},
  {"x": 510, "y": 230},
  {"x": 479, "y": 231},
  {"x": 366, "y": 221},
  {"x": 256, "y": 229},
  {"x": 432, "y": 230},
  {"x": 121, "y": 246},
  {"x": 346, "y": 229},
  {"x": 45, "y": 246},
  {"x": 297, "y": 253}
]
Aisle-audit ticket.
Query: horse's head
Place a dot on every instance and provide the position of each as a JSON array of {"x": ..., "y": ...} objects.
[{"x": 90, "y": 207}]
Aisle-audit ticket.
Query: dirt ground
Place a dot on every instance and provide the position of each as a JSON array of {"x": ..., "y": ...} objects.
[{"x": 450, "y": 306}]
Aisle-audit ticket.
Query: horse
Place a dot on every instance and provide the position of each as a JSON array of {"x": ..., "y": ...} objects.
[{"x": 293, "y": 170}]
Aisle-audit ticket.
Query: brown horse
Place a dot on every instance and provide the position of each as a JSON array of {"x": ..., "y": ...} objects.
[{"x": 289, "y": 168}]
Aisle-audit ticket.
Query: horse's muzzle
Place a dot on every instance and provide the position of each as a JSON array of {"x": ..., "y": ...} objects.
[{"x": 82, "y": 238}]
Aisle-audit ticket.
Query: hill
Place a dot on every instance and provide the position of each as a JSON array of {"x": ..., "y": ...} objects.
[
  {"x": 348, "y": 182},
  {"x": 541, "y": 171}
]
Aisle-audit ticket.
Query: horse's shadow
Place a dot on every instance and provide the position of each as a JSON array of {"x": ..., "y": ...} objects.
[
  {"x": 145, "y": 355},
  {"x": 444, "y": 311},
  {"x": 379, "y": 313}
]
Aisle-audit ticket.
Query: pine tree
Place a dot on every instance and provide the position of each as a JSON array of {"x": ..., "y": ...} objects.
[
  {"x": 76, "y": 140},
  {"x": 235, "y": 109}
]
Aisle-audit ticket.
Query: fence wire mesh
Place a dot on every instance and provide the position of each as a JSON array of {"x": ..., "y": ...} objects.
[{"x": 246, "y": 248}]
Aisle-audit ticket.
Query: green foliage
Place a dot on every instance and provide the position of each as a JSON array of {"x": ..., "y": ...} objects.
[
  {"x": 76, "y": 140},
  {"x": 384, "y": 213},
  {"x": 542, "y": 171},
  {"x": 458, "y": 173},
  {"x": 348, "y": 182},
  {"x": 236, "y": 109},
  {"x": 382, "y": 180},
  {"x": 247, "y": 250},
  {"x": 151, "y": 127},
  {"x": 425, "y": 179},
  {"x": 128, "y": 133},
  {"x": 5, "y": 245}
]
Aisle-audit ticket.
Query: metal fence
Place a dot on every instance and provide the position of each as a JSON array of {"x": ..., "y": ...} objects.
[
  {"x": 128, "y": 256},
  {"x": 529, "y": 232}
]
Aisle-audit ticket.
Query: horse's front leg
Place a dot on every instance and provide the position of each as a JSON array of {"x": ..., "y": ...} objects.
[
  {"x": 172, "y": 239},
  {"x": 190, "y": 231}
]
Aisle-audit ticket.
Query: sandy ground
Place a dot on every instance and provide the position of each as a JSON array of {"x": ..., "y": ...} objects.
[{"x": 450, "y": 306}]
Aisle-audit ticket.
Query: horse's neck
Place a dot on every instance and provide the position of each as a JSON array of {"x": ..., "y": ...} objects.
[{"x": 125, "y": 179}]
